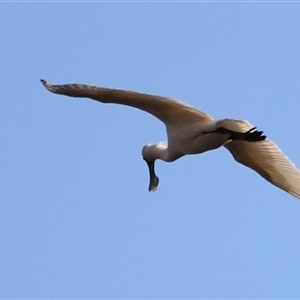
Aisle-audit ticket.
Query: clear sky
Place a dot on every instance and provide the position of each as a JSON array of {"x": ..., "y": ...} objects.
[{"x": 77, "y": 220}]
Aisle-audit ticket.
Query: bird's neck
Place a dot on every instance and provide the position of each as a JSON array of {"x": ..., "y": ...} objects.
[{"x": 163, "y": 152}]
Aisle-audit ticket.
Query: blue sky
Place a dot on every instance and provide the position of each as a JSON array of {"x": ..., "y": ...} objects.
[{"x": 76, "y": 218}]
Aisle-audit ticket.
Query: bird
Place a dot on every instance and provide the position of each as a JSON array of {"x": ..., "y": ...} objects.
[{"x": 191, "y": 131}]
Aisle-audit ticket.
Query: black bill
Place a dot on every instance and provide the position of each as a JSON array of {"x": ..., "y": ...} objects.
[{"x": 153, "y": 178}]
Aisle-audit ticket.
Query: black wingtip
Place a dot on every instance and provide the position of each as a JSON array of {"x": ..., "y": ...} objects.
[{"x": 43, "y": 81}]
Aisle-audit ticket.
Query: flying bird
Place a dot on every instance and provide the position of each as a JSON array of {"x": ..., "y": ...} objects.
[{"x": 191, "y": 131}]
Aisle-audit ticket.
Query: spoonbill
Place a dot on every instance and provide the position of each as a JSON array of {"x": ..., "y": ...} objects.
[{"x": 191, "y": 131}]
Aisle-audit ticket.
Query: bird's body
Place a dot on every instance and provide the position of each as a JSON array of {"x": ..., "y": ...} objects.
[{"x": 191, "y": 131}]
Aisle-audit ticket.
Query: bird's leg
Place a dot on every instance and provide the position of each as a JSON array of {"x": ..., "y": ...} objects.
[{"x": 252, "y": 135}]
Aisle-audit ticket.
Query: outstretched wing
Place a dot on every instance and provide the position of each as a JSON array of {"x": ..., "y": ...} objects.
[
  {"x": 266, "y": 159},
  {"x": 166, "y": 109}
]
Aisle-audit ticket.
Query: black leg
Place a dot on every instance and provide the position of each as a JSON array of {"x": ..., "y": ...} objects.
[{"x": 252, "y": 135}]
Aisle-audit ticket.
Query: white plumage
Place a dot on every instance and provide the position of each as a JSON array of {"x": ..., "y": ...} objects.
[{"x": 191, "y": 131}]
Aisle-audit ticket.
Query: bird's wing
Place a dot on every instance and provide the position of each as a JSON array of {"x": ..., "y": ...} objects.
[
  {"x": 166, "y": 109},
  {"x": 266, "y": 159}
]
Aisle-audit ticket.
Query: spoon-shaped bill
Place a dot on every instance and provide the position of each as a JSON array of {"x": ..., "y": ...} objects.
[{"x": 153, "y": 178}]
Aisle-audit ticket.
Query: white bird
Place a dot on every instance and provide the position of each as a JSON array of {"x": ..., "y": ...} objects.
[{"x": 191, "y": 131}]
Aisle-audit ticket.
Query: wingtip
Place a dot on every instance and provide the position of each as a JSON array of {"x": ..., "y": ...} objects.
[{"x": 47, "y": 85}]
